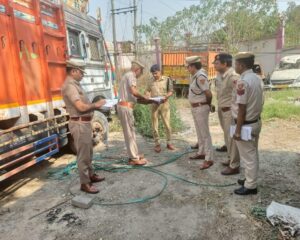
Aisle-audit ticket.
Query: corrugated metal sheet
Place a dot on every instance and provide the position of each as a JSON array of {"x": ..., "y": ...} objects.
[
  {"x": 174, "y": 59},
  {"x": 173, "y": 63},
  {"x": 178, "y": 58}
]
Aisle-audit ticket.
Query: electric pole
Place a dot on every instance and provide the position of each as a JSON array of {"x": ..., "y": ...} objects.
[
  {"x": 124, "y": 10},
  {"x": 157, "y": 51},
  {"x": 114, "y": 38},
  {"x": 134, "y": 27},
  {"x": 280, "y": 39}
]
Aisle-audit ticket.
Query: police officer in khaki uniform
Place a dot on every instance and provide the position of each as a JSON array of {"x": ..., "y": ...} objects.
[
  {"x": 160, "y": 86},
  {"x": 225, "y": 86},
  {"x": 249, "y": 102},
  {"x": 129, "y": 95},
  {"x": 81, "y": 110},
  {"x": 200, "y": 99}
]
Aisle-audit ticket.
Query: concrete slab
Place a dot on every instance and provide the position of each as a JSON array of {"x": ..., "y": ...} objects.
[{"x": 82, "y": 201}]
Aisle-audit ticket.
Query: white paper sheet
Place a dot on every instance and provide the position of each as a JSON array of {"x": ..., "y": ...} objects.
[
  {"x": 245, "y": 132},
  {"x": 110, "y": 103},
  {"x": 157, "y": 99}
]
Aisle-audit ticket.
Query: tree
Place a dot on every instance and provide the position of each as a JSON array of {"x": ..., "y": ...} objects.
[
  {"x": 225, "y": 21},
  {"x": 292, "y": 24}
]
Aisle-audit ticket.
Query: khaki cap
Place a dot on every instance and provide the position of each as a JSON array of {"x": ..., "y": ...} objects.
[
  {"x": 75, "y": 65},
  {"x": 138, "y": 63},
  {"x": 192, "y": 59},
  {"x": 244, "y": 55}
]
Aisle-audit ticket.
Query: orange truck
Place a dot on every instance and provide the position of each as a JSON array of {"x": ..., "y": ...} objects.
[
  {"x": 34, "y": 47},
  {"x": 173, "y": 65}
]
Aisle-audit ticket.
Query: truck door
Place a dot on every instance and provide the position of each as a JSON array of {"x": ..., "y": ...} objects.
[
  {"x": 9, "y": 102},
  {"x": 54, "y": 34},
  {"x": 30, "y": 46}
]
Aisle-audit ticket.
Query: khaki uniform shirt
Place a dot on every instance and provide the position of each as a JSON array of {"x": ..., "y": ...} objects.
[
  {"x": 198, "y": 85},
  {"x": 128, "y": 80},
  {"x": 160, "y": 87},
  {"x": 249, "y": 91},
  {"x": 225, "y": 86},
  {"x": 72, "y": 92}
]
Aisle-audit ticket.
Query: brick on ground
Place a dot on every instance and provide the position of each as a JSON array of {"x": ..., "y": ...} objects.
[{"x": 82, "y": 201}]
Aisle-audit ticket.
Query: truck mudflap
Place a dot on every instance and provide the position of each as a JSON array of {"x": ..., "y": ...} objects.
[{"x": 14, "y": 161}]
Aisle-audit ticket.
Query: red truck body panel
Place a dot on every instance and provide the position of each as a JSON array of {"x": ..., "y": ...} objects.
[
  {"x": 33, "y": 45},
  {"x": 32, "y": 71}
]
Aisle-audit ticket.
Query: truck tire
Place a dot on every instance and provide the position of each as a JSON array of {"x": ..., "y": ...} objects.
[
  {"x": 100, "y": 128},
  {"x": 100, "y": 131},
  {"x": 71, "y": 145},
  {"x": 63, "y": 140},
  {"x": 185, "y": 92}
]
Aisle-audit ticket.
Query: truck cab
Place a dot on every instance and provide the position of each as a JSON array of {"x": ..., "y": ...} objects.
[
  {"x": 287, "y": 73},
  {"x": 86, "y": 45},
  {"x": 37, "y": 37}
]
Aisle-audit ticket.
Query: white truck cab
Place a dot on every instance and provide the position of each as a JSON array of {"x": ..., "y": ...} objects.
[{"x": 287, "y": 73}]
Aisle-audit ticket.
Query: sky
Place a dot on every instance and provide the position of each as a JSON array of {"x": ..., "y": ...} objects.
[{"x": 146, "y": 9}]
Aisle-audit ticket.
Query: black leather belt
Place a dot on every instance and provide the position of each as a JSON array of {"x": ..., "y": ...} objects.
[
  {"x": 248, "y": 122},
  {"x": 83, "y": 118}
]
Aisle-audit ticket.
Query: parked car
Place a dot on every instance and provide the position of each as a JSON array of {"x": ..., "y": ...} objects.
[{"x": 287, "y": 74}]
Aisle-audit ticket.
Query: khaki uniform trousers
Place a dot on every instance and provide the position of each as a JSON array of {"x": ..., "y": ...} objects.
[
  {"x": 226, "y": 120},
  {"x": 200, "y": 115},
  {"x": 249, "y": 156},
  {"x": 164, "y": 111},
  {"x": 234, "y": 160},
  {"x": 127, "y": 122},
  {"x": 82, "y": 135}
]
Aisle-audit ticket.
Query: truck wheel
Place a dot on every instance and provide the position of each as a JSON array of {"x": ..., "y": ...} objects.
[
  {"x": 63, "y": 140},
  {"x": 71, "y": 144},
  {"x": 185, "y": 91},
  {"x": 100, "y": 128}
]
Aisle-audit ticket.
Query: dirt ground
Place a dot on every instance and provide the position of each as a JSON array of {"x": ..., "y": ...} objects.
[{"x": 182, "y": 211}]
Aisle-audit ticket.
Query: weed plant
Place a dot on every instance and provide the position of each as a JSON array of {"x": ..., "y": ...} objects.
[
  {"x": 283, "y": 104},
  {"x": 142, "y": 115}
]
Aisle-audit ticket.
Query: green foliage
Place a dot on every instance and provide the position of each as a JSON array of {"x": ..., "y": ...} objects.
[
  {"x": 282, "y": 110},
  {"x": 283, "y": 95},
  {"x": 292, "y": 35},
  {"x": 142, "y": 115},
  {"x": 228, "y": 22},
  {"x": 280, "y": 104}
]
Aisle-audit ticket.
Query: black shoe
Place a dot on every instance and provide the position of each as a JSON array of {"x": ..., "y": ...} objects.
[
  {"x": 222, "y": 149},
  {"x": 241, "y": 181},
  {"x": 196, "y": 146},
  {"x": 245, "y": 191}
]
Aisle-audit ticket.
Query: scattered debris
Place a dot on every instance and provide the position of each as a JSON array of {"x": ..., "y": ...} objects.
[
  {"x": 259, "y": 212},
  {"x": 285, "y": 217},
  {"x": 71, "y": 219},
  {"x": 4, "y": 211},
  {"x": 53, "y": 215},
  {"x": 54, "y": 207}
]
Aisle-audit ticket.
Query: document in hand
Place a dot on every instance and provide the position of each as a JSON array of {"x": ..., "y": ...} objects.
[
  {"x": 157, "y": 99},
  {"x": 245, "y": 133},
  {"x": 110, "y": 103}
]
